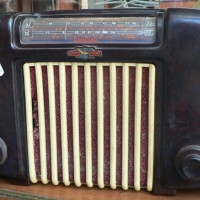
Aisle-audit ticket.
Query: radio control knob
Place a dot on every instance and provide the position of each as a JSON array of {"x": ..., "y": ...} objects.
[
  {"x": 190, "y": 166},
  {"x": 187, "y": 162},
  {"x": 3, "y": 151}
]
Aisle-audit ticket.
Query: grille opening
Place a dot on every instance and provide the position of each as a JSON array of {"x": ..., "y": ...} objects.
[{"x": 91, "y": 123}]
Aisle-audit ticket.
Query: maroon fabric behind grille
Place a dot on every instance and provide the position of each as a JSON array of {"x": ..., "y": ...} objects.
[
  {"x": 82, "y": 123},
  {"x": 119, "y": 126},
  {"x": 47, "y": 120},
  {"x": 144, "y": 128},
  {"x": 94, "y": 124},
  {"x": 69, "y": 123},
  {"x": 35, "y": 123},
  {"x": 131, "y": 126},
  {"x": 58, "y": 125},
  {"x": 106, "y": 88}
]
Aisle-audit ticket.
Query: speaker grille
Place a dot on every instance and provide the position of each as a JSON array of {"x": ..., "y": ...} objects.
[{"x": 90, "y": 123}]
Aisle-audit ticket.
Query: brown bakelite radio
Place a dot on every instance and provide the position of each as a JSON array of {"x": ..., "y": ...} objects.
[{"x": 101, "y": 97}]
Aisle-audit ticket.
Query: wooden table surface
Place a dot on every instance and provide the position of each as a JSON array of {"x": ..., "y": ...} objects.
[{"x": 85, "y": 193}]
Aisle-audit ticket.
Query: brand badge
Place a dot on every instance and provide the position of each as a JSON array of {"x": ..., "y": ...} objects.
[{"x": 84, "y": 53}]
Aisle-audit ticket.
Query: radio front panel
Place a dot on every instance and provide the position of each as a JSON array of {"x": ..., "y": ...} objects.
[{"x": 114, "y": 106}]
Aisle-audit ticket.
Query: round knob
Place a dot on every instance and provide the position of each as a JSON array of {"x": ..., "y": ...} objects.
[
  {"x": 187, "y": 162},
  {"x": 190, "y": 166},
  {"x": 3, "y": 151}
]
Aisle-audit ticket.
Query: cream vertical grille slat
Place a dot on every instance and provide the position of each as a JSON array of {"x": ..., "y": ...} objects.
[
  {"x": 125, "y": 126},
  {"x": 52, "y": 115},
  {"x": 41, "y": 115},
  {"x": 113, "y": 125},
  {"x": 29, "y": 122},
  {"x": 63, "y": 116},
  {"x": 75, "y": 118},
  {"x": 100, "y": 124},
  {"x": 88, "y": 124},
  {"x": 137, "y": 144},
  {"x": 151, "y": 127}
]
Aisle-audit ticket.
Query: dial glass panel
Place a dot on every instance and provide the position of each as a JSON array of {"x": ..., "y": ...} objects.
[{"x": 130, "y": 30}]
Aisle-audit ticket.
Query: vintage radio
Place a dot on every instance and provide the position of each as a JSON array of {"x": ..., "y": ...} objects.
[{"x": 104, "y": 97}]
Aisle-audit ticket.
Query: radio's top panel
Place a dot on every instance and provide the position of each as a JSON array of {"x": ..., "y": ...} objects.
[{"x": 132, "y": 30}]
